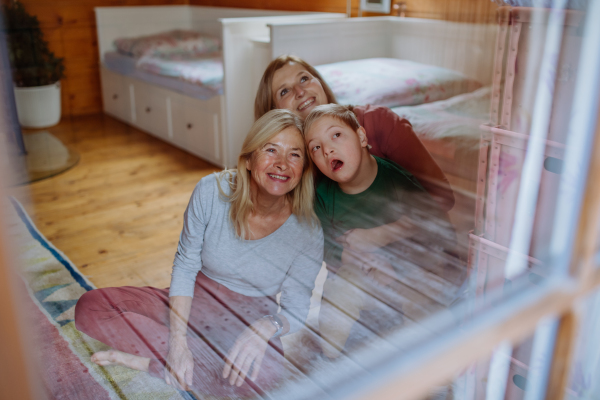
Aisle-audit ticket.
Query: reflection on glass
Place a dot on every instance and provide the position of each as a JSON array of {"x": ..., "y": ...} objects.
[
  {"x": 434, "y": 183},
  {"x": 586, "y": 361}
]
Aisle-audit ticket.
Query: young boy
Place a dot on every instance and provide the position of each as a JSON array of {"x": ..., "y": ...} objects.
[{"x": 365, "y": 204}]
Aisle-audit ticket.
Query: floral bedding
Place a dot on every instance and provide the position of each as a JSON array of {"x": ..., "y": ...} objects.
[
  {"x": 457, "y": 118},
  {"x": 206, "y": 71},
  {"x": 187, "y": 55},
  {"x": 178, "y": 42},
  {"x": 392, "y": 82}
]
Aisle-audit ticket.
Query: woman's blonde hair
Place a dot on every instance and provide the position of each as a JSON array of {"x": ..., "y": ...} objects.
[
  {"x": 301, "y": 197},
  {"x": 264, "y": 96}
]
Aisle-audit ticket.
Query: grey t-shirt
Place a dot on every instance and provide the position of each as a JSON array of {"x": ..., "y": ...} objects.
[{"x": 287, "y": 261}]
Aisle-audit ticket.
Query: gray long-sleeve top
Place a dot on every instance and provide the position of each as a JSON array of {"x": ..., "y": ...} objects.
[{"x": 287, "y": 261}]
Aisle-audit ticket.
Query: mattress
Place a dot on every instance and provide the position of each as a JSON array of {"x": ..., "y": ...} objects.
[
  {"x": 450, "y": 131},
  {"x": 457, "y": 118},
  {"x": 393, "y": 82},
  {"x": 127, "y": 65}
]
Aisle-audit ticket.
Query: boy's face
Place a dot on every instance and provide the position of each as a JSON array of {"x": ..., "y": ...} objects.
[{"x": 336, "y": 149}]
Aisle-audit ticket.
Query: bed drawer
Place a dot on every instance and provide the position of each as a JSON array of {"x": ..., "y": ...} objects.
[
  {"x": 152, "y": 110},
  {"x": 116, "y": 98},
  {"x": 197, "y": 128}
]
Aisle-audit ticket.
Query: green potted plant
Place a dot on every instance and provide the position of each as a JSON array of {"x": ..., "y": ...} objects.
[{"x": 36, "y": 71}]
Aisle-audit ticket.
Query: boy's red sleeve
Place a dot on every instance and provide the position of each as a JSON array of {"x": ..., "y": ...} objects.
[{"x": 393, "y": 138}]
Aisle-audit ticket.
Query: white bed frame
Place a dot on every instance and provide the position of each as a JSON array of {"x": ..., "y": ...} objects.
[
  {"x": 212, "y": 129},
  {"x": 463, "y": 47}
]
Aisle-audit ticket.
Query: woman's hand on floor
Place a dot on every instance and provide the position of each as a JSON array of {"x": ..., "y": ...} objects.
[
  {"x": 363, "y": 240},
  {"x": 250, "y": 347},
  {"x": 371, "y": 240},
  {"x": 179, "y": 371},
  {"x": 380, "y": 270},
  {"x": 373, "y": 265}
]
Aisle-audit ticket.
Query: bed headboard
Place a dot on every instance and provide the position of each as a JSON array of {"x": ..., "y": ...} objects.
[
  {"x": 246, "y": 55},
  {"x": 115, "y": 22},
  {"x": 209, "y": 19},
  {"x": 463, "y": 47},
  {"x": 323, "y": 42}
]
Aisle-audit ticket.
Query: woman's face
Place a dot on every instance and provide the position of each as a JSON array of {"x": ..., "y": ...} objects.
[
  {"x": 295, "y": 89},
  {"x": 277, "y": 167}
]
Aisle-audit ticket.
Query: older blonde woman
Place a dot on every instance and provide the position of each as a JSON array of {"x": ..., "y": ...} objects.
[{"x": 248, "y": 234}]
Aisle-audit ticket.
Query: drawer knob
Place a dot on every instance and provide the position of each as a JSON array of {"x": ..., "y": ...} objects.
[
  {"x": 148, "y": 109},
  {"x": 190, "y": 126},
  {"x": 115, "y": 96}
]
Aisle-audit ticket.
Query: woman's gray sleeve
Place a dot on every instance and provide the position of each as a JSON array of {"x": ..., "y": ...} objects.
[
  {"x": 188, "y": 259},
  {"x": 299, "y": 282}
]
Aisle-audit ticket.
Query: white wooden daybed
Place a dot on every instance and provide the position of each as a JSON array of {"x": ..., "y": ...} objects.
[{"x": 211, "y": 127}]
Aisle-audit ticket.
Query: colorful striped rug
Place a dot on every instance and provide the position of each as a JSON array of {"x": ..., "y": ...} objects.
[{"x": 54, "y": 285}]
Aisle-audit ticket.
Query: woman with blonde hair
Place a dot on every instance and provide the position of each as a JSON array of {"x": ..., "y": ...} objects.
[
  {"x": 248, "y": 234},
  {"x": 291, "y": 83}
]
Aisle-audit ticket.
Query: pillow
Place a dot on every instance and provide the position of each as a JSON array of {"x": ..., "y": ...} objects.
[
  {"x": 165, "y": 44},
  {"x": 392, "y": 83},
  {"x": 207, "y": 71},
  {"x": 457, "y": 119}
]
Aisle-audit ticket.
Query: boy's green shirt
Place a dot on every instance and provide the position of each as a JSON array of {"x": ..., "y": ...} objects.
[{"x": 393, "y": 193}]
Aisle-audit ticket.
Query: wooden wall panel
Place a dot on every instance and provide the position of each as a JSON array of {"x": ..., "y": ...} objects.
[
  {"x": 451, "y": 10},
  {"x": 338, "y": 6},
  {"x": 481, "y": 11},
  {"x": 70, "y": 30}
]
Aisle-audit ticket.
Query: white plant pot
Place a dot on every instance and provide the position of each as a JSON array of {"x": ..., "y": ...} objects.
[{"x": 38, "y": 106}]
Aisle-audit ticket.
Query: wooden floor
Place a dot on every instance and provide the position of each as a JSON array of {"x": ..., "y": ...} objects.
[{"x": 117, "y": 214}]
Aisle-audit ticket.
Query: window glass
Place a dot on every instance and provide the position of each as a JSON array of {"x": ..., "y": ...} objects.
[
  {"x": 443, "y": 194},
  {"x": 584, "y": 365}
]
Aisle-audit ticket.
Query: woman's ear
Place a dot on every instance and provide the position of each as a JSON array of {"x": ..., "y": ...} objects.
[
  {"x": 362, "y": 135},
  {"x": 249, "y": 163}
]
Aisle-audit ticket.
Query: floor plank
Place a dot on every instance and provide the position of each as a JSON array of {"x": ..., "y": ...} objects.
[{"x": 118, "y": 213}]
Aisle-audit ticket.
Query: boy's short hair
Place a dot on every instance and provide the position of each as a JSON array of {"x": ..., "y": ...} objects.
[{"x": 343, "y": 114}]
